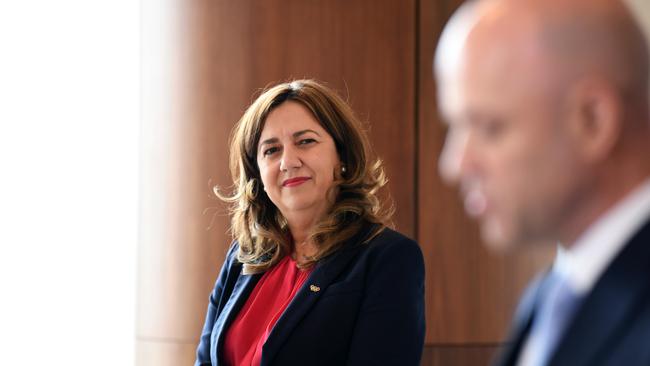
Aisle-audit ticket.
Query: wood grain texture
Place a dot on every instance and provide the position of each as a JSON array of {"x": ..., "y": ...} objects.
[{"x": 459, "y": 355}]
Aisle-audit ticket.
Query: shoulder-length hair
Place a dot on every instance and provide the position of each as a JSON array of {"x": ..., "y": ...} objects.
[{"x": 258, "y": 225}]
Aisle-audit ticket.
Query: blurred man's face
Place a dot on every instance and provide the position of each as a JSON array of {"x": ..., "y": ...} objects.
[{"x": 507, "y": 146}]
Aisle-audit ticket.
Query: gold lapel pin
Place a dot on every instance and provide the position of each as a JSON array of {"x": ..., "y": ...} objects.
[{"x": 314, "y": 288}]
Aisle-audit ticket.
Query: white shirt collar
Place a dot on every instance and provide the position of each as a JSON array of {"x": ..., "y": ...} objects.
[{"x": 586, "y": 261}]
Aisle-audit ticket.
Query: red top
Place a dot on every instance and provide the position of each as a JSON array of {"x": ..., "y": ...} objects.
[{"x": 267, "y": 302}]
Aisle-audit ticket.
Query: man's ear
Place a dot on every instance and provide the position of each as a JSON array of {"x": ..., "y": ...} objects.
[{"x": 596, "y": 119}]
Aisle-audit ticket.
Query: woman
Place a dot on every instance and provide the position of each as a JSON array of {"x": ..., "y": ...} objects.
[{"x": 314, "y": 277}]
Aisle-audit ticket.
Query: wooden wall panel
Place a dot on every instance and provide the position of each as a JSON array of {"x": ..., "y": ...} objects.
[
  {"x": 459, "y": 355},
  {"x": 471, "y": 292}
]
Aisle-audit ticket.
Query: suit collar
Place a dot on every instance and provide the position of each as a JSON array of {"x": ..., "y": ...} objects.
[
  {"x": 584, "y": 262},
  {"x": 605, "y": 311},
  {"x": 523, "y": 320},
  {"x": 324, "y": 273},
  {"x": 608, "y": 308}
]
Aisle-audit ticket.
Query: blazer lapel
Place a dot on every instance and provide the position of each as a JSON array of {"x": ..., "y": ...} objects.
[
  {"x": 242, "y": 289},
  {"x": 609, "y": 306},
  {"x": 324, "y": 273}
]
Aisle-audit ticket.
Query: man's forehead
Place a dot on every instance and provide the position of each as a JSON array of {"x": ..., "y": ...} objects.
[
  {"x": 500, "y": 63},
  {"x": 483, "y": 43},
  {"x": 493, "y": 96}
]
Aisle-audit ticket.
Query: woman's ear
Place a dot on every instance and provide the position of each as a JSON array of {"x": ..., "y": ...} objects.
[{"x": 596, "y": 119}]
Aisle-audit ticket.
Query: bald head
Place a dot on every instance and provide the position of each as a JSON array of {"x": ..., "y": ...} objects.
[
  {"x": 573, "y": 39},
  {"x": 547, "y": 103}
]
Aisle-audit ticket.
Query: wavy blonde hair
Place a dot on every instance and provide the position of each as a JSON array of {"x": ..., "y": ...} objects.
[{"x": 257, "y": 224}]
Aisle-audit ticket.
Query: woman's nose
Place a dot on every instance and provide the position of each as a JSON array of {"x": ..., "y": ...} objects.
[{"x": 290, "y": 159}]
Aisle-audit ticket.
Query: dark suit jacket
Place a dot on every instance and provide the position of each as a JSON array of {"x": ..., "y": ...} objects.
[
  {"x": 612, "y": 324},
  {"x": 369, "y": 309}
]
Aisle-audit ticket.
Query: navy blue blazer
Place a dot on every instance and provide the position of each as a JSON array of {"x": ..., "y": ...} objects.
[
  {"x": 611, "y": 326},
  {"x": 369, "y": 309}
]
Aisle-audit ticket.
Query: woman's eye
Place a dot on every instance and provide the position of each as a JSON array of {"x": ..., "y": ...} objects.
[
  {"x": 270, "y": 151},
  {"x": 306, "y": 141}
]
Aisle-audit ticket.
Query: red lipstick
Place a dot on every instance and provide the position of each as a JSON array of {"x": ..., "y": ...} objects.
[{"x": 293, "y": 182}]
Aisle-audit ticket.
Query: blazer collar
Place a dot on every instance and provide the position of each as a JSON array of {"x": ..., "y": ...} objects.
[
  {"x": 321, "y": 277},
  {"x": 608, "y": 308},
  {"x": 241, "y": 291}
]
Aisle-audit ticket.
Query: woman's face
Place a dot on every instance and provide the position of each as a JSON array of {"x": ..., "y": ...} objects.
[{"x": 297, "y": 160}]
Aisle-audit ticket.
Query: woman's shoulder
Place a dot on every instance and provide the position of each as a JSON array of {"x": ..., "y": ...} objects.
[
  {"x": 387, "y": 237},
  {"x": 391, "y": 242},
  {"x": 231, "y": 255},
  {"x": 233, "y": 248},
  {"x": 389, "y": 253}
]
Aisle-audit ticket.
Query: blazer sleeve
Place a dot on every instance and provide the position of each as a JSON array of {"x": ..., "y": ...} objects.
[
  {"x": 203, "y": 349},
  {"x": 390, "y": 326}
]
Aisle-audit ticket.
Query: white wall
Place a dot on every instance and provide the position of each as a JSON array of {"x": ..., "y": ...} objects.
[{"x": 69, "y": 125}]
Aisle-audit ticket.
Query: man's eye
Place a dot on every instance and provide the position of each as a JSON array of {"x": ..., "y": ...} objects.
[
  {"x": 491, "y": 129},
  {"x": 270, "y": 151},
  {"x": 306, "y": 141}
]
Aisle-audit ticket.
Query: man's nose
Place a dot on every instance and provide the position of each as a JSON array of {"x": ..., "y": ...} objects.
[
  {"x": 290, "y": 159},
  {"x": 454, "y": 159}
]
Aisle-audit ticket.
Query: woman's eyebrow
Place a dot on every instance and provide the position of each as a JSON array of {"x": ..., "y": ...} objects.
[
  {"x": 271, "y": 140},
  {"x": 302, "y": 132}
]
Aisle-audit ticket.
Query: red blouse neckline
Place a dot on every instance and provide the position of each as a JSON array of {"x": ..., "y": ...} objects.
[{"x": 265, "y": 305}]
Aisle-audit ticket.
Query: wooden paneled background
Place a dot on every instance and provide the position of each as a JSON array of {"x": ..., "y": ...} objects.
[{"x": 378, "y": 54}]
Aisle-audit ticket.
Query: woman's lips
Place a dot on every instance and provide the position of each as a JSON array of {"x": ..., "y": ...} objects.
[{"x": 292, "y": 182}]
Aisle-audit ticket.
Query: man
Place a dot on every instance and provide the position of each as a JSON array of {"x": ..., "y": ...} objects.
[{"x": 549, "y": 142}]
